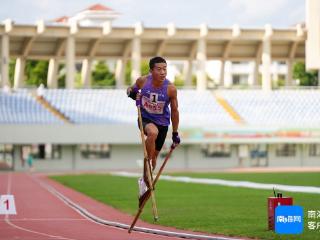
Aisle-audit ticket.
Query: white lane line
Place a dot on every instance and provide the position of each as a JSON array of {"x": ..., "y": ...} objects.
[
  {"x": 7, "y": 220},
  {"x": 229, "y": 183},
  {"x": 9, "y": 184},
  {"x": 36, "y": 232},
  {"x": 119, "y": 225}
]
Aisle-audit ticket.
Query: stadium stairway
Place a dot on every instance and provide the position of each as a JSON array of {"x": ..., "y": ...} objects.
[
  {"x": 41, "y": 100},
  {"x": 229, "y": 109}
]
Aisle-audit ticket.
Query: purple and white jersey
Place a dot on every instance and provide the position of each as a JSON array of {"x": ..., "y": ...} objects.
[{"x": 155, "y": 101}]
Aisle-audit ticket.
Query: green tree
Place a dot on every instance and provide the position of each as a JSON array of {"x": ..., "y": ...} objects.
[
  {"x": 144, "y": 68},
  {"x": 101, "y": 76},
  {"x": 12, "y": 65},
  {"x": 194, "y": 80},
  {"x": 78, "y": 82},
  {"x": 61, "y": 76},
  {"x": 306, "y": 78},
  {"x": 178, "y": 81},
  {"x": 128, "y": 73},
  {"x": 36, "y": 72}
]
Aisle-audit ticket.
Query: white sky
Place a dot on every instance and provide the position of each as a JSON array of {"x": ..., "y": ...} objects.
[{"x": 184, "y": 13}]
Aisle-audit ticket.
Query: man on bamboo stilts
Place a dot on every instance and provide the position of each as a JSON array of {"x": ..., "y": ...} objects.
[{"x": 156, "y": 93}]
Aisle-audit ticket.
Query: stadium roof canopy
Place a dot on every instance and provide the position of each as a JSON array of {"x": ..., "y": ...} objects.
[
  {"x": 70, "y": 43},
  {"x": 42, "y": 41}
]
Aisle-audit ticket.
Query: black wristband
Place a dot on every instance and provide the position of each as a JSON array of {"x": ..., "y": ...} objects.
[
  {"x": 132, "y": 94},
  {"x": 175, "y": 134}
]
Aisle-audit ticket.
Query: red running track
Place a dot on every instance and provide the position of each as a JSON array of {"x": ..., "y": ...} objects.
[{"x": 41, "y": 214}]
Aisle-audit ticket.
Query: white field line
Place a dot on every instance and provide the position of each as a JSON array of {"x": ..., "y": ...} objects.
[{"x": 229, "y": 183}]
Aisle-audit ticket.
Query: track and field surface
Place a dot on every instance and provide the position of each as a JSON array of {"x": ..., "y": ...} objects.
[
  {"x": 205, "y": 208},
  {"x": 43, "y": 213}
]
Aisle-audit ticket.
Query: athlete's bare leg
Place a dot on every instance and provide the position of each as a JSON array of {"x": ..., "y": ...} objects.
[
  {"x": 152, "y": 132},
  {"x": 154, "y": 159}
]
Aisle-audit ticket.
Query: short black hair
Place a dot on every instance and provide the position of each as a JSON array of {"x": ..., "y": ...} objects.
[{"x": 153, "y": 61}]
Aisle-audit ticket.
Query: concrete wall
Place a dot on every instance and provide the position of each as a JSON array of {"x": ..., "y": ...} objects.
[
  {"x": 66, "y": 163},
  {"x": 121, "y": 157},
  {"x": 307, "y": 160},
  {"x": 292, "y": 161},
  {"x": 197, "y": 160},
  {"x": 189, "y": 157}
]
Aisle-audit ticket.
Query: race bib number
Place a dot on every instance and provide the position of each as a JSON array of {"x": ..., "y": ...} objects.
[{"x": 152, "y": 105}]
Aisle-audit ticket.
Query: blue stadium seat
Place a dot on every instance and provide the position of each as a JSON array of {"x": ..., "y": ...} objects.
[
  {"x": 20, "y": 107},
  {"x": 112, "y": 106},
  {"x": 282, "y": 108}
]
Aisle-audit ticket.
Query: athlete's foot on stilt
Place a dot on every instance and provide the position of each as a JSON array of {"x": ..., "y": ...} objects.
[
  {"x": 142, "y": 190},
  {"x": 142, "y": 186}
]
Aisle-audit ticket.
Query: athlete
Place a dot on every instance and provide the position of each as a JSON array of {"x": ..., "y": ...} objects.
[{"x": 156, "y": 93}]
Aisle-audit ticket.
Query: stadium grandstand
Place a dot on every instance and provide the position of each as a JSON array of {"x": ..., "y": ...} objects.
[{"x": 96, "y": 129}]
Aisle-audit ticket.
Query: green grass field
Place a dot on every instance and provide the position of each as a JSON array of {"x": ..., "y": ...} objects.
[{"x": 207, "y": 208}]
